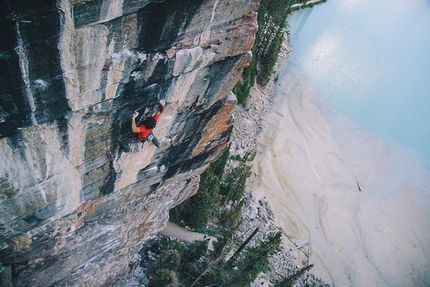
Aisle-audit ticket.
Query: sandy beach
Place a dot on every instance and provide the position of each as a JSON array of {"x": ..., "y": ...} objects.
[{"x": 310, "y": 166}]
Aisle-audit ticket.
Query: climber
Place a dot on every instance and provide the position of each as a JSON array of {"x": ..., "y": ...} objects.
[{"x": 143, "y": 132}]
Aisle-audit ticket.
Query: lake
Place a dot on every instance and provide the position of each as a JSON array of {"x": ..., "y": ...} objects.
[{"x": 343, "y": 155}]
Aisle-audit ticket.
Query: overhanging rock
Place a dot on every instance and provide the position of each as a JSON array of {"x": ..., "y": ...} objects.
[{"x": 75, "y": 73}]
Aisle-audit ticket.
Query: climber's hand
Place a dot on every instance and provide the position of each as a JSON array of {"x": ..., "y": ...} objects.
[
  {"x": 162, "y": 102},
  {"x": 135, "y": 115}
]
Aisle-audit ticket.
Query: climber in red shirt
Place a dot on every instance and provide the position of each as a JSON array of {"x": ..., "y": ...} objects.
[{"x": 143, "y": 132}]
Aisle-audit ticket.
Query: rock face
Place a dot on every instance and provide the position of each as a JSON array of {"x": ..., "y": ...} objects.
[{"x": 73, "y": 72}]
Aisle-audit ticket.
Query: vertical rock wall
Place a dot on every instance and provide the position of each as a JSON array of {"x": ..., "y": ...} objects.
[{"x": 72, "y": 74}]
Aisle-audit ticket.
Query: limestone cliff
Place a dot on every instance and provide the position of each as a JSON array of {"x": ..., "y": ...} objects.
[{"x": 72, "y": 74}]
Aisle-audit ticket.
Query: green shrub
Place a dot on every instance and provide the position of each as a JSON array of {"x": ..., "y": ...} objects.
[
  {"x": 219, "y": 165},
  {"x": 290, "y": 280},
  {"x": 234, "y": 185},
  {"x": 270, "y": 58},
  {"x": 169, "y": 259},
  {"x": 164, "y": 277},
  {"x": 243, "y": 87},
  {"x": 251, "y": 156},
  {"x": 255, "y": 260},
  {"x": 194, "y": 250},
  {"x": 236, "y": 157}
]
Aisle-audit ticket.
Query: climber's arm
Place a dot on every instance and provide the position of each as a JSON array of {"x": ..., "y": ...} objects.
[
  {"x": 134, "y": 128},
  {"x": 162, "y": 104}
]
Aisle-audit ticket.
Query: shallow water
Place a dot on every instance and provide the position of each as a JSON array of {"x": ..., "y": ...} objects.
[
  {"x": 334, "y": 124},
  {"x": 309, "y": 162},
  {"x": 371, "y": 59}
]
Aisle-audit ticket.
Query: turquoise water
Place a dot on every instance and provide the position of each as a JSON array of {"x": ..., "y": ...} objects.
[{"x": 371, "y": 59}]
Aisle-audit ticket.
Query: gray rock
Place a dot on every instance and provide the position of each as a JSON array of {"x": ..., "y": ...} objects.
[{"x": 75, "y": 75}]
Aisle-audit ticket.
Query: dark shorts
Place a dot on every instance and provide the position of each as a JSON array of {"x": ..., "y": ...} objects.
[{"x": 125, "y": 142}]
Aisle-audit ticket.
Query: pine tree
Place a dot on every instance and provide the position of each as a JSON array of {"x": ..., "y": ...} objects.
[
  {"x": 290, "y": 280},
  {"x": 254, "y": 261},
  {"x": 169, "y": 259},
  {"x": 198, "y": 209},
  {"x": 164, "y": 277}
]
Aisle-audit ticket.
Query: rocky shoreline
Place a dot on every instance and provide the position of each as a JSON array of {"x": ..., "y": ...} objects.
[
  {"x": 248, "y": 120},
  {"x": 248, "y": 123}
]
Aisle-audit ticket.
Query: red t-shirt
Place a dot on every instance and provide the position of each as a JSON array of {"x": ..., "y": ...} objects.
[{"x": 144, "y": 131}]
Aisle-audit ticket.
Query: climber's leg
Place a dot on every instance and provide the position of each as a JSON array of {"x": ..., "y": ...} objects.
[
  {"x": 124, "y": 143},
  {"x": 154, "y": 140}
]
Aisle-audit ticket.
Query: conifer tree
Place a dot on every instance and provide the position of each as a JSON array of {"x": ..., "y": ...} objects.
[
  {"x": 253, "y": 261},
  {"x": 290, "y": 280}
]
